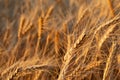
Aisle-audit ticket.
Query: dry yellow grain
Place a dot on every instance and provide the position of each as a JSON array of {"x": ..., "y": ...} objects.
[
  {"x": 40, "y": 25},
  {"x": 111, "y": 24},
  {"x": 109, "y": 62},
  {"x": 92, "y": 65},
  {"x": 69, "y": 42},
  {"x": 22, "y": 20},
  {"x": 111, "y": 8},
  {"x": 27, "y": 26},
  {"x": 105, "y": 36},
  {"x": 48, "y": 12},
  {"x": 68, "y": 55},
  {"x": 56, "y": 41}
]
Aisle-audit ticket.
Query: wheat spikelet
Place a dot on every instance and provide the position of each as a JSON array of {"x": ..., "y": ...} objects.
[
  {"x": 48, "y": 12},
  {"x": 109, "y": 30},
  {"x": 27, "y": 26},
  {"x": 30, "y": 69},
  {"x": 81, "y": 13},
  {"x": 68, "y": 56},
  {"x": 113, "y": 21},
  {"x": 26, "y": 22},
  {"x": 109, "y": 62},
  {"x": 105, "y": 36},
  {"x": 111, "y": 8},
  {"x": 83, "y": 70},
  {"x": 111, "y": 25},
  {"x": 29, "y": 21},
  {"x": 56, "y": 41},
  {"x": 92, "y": 65},
  {"x": 22, "y": 19},
  {"x": 69, "y": 43},
  {"x": 9, "y": 72},
  {"x": 40, "y": 25}
]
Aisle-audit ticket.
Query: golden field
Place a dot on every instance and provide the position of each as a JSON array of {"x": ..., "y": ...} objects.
[{"x": 59, "y": 39}]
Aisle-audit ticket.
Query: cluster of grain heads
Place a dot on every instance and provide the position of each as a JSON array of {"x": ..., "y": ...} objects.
[
  {"x": 110, "y": 26},
  {"x": 56, "y": 40},
  {"x": 70, "y": 55}
]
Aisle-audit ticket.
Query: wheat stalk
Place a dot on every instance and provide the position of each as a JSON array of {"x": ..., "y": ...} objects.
[
  {"x": 40, "y": 25},
  {"x": 109, "y": 62},
  {"x": 68, "y": 56}
]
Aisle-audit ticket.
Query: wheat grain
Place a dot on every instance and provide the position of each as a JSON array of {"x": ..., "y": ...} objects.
[{"x": 22, "y": 19}]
